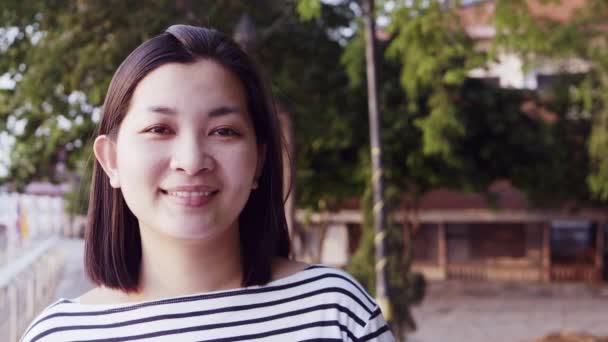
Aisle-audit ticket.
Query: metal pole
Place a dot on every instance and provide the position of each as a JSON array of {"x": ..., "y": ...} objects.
[{"x": 376, "y": 151}]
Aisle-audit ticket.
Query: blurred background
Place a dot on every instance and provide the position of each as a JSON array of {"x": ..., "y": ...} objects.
[{"x": 492, "y": 118}]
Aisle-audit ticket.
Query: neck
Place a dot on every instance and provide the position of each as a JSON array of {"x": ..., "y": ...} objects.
[{"x": 172, "y": 267}]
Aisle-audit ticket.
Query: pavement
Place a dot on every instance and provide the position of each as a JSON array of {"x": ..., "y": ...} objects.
[{"x": 472, "y": 312}]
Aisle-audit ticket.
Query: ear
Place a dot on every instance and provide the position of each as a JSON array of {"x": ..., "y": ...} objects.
[
  {"x": 260, "y": 165},
  {"x": 105, "y": 152}
]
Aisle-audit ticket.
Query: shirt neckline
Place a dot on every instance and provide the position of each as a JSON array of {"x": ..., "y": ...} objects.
[{"x": 218, "y": 293}]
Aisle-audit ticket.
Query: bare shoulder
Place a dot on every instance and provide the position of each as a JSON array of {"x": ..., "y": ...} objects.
[
  {"x": 283, "y": 267},
  {"x": 102, "y": 295}
]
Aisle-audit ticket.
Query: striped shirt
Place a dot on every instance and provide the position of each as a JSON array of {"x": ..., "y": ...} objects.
[{"x": 317, "y": 304}]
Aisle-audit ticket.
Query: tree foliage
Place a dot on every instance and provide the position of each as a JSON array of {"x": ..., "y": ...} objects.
[
  {"x": 61, "y": 59},
  {"x": 583, "y": 37},
  {"x": 62, "y": 55},
  {"x": 440, "y": 129}
]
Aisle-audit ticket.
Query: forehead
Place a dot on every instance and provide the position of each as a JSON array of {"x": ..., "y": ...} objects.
[{"x": 203, "y": 85}]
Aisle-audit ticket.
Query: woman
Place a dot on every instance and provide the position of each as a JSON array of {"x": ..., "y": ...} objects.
[{"x": 187, "y": 238}]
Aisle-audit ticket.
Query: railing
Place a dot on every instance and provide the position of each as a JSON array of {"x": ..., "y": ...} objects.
[
  {"x": 29, "y": 217},
  {"x": 30, "y": 258},
  {"x": 479, "y": 271},
  {"x": 431, "y": 270},
  {"x": 27, "y": 286},
  {"x": 574, "y": 273},
  {"x": 467, "y": 271}
]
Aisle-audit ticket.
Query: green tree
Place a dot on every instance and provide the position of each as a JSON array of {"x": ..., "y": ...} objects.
[
  {"x": 62, "y": 55},
  {"x": 582, "y": 37}
]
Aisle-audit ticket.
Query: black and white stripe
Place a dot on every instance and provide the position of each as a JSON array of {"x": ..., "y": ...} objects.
[{"x": 317, "y": 304}]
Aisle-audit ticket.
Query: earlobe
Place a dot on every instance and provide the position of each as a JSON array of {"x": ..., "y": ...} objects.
[{"x": 105, "y": 152}]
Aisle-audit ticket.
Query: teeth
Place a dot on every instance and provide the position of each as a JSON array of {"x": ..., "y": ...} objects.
[{"x": 190, "y": 193}]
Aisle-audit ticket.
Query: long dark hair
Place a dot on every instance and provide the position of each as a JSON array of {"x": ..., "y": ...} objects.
[{"x": 112, "y": 240}]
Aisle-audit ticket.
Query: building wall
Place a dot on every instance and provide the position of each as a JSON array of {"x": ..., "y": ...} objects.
[
  {"x": 458, "y": 244},
  {"x": 534, "y": 242},
  {"x": 424, "y": 244},
  {"x": 504, "y": 252}
]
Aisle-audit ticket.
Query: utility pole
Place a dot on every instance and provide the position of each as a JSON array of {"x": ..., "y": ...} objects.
[{"x": 376, "y": 151}]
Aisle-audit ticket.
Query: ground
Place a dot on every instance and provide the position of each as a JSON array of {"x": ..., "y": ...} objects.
[{"x": 472, "y": 312}]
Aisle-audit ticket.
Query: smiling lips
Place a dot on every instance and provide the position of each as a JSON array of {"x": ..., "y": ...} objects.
[{"x": 191, "y": 196}]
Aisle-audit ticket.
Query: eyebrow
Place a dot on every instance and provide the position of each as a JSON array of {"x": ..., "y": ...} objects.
[{"x": 219, "y": 111}]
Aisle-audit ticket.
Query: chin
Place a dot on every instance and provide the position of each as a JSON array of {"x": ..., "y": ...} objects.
[
  {"x": 193, "y": 237},
  {"x": 195, "y": 233}
]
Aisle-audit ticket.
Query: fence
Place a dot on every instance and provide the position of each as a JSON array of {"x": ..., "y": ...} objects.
[
  {"x": 29, "y": 217},
  {"x": 27, "y": 286},
  {"x": 30, "y": 258}
]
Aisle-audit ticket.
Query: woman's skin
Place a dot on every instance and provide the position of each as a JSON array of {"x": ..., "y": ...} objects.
[{"x": 186, "y": 160}]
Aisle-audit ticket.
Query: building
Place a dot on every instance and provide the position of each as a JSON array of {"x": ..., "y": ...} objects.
[
  {"x": 497, "y": 236},
  {"x": 500, "y": 236}
]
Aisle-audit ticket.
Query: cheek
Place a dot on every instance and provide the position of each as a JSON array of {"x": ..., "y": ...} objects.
[
  {"x": 138, "y": 163},
  {"x": 239, "y": 167}
]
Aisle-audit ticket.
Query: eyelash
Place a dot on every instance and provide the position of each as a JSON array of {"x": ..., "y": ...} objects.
[
  {"x": 155, "y": 128},
  {"x": 222, "y": 131},
  {"x": 231, "y": 132}
]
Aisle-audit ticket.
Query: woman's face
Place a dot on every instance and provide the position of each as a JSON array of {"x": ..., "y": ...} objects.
[{"x": 186, "y": 157}]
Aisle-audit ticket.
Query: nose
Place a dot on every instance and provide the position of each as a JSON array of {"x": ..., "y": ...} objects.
[{"x": 190, "y": 157}]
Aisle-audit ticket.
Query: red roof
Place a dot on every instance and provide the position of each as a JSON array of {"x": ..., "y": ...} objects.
[
  {"x": 501, "y": 194},
  {"x": 561, "y": 12},
  {"x": 477, "y": 19}
]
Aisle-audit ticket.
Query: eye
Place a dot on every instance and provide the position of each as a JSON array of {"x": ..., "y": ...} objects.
[
  {"x": 225, "y": 132},
  {"x": 161, "y": 130}
]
